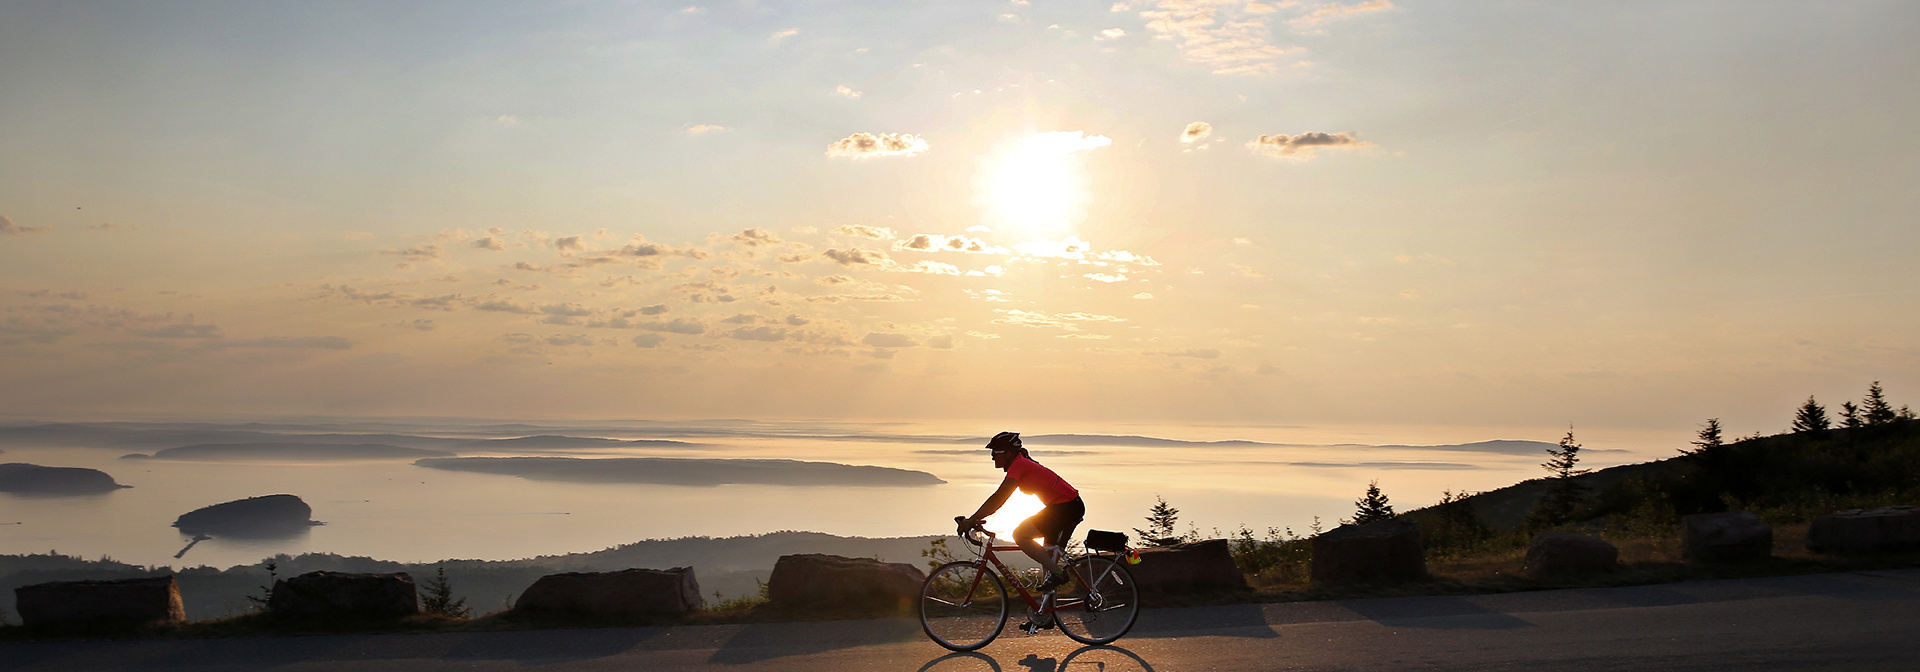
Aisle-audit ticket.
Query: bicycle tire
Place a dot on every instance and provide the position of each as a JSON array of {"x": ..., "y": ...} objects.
[
  {"x": 963, "y": 605},
  {"x": 1108, "y": 608}
]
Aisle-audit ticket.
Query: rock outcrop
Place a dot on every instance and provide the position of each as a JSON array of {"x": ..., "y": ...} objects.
[
  {"x": 624, "y": 593},
  {"x": 330, "y": 595},
  {"x": 1569, "y": 553},
  {"x": 1389, "y": 550},
  {"x": 1193, "y": 567},
  {"x": 271, "y": 516},
  {"x": 1734, "y": 536},
  {"x": 836, "y": 584},
  {"x": 1889, "y": 529},
  {"x": 32, "y": 479},
  {"x": 123, "y": 602}
]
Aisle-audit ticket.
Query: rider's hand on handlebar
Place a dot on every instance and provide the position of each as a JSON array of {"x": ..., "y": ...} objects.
[{"x": 963, "y": 525}]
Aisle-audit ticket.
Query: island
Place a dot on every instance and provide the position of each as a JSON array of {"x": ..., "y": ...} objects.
[
  {"x": 31, "y": 479},
  {"x": 684, "y": 471},
  {"x": 294, "y": 452},
  {"x": 266, "y": 517}
]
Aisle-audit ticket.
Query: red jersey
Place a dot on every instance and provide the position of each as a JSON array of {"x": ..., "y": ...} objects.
[{"x": 1040, "y": 481}]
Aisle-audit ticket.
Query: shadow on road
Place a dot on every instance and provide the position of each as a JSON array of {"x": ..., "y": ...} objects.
[
  {"x": 549, "y": 645},
  {"x": 764, "y": 641},
  {"x": 1084, "y": 659},
  {"x": 1441, "y": 613},
  {"x": 1238, "y": 620}
]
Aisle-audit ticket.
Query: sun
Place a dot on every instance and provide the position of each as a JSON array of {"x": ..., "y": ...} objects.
[
  {"x": 1017, "y": 508},
  {"x": 1038, "y": 187}
]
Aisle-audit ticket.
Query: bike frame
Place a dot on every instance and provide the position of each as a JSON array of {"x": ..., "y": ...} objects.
[{"x": 987, "y": 556}]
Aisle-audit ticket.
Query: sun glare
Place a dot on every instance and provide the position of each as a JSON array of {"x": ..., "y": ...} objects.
[
  {"x": 1018, "y": 508},
  {"x": 1038, "y": 187}
]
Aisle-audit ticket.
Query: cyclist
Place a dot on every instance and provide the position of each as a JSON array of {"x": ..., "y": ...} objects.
[{"x": 1063, "y": 512}]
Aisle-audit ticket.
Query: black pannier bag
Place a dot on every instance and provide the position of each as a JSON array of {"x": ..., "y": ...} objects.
[{"x": 1101, "y": 540}]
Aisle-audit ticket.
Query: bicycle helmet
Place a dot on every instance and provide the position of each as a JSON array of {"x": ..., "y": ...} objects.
[{"x": 1004, "y": 441}]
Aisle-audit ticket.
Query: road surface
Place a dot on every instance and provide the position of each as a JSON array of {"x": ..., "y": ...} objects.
[{"x": 1848, "y": 621}]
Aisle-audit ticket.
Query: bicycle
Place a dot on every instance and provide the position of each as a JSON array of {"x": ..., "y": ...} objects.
[{"x": 964, "y": 604}]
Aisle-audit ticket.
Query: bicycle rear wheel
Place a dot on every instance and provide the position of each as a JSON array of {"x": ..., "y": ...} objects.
[
  {"x": 1109, "y": 601},
  {"x": 963, "y": 605}
]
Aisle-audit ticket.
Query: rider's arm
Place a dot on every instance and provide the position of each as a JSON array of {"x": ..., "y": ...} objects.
[{"x": 998, "y": 498}]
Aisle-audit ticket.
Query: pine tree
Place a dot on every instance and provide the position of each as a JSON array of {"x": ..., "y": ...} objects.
[
  {"x": 1373, "y": 506},
  {"x": 439, "y": 598},
  {"x": 1906, "y": 413},
  {"x": 1875, "y": 410},
  {"x": 1161, "y": 524},
  {"x": 1811, "y": 418},
  {"x": 1849, "y": 415},
  {"x": 1709, "y": 438},
  {"x": 1563, "y": 492}
]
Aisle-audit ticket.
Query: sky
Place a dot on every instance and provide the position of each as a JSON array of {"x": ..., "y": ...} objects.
[{"x": 1501, "y": 214}]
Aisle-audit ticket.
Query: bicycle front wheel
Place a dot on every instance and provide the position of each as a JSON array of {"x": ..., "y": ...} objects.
[
  {"x": 963, "y": 605},
  {"x": 1100, "y": 604}
]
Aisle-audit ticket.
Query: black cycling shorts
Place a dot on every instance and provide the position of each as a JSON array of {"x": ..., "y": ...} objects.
[{"x": 1057, "y": 521}]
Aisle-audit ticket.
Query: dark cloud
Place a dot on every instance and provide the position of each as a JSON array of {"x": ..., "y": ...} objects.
[
  {"x": 798, "y": 321},
  {"x": 490, "y": 243},
  {"x": 758, "y": 334},
  {"x": 850, "y": 257},
  {"x": 654, "y": 309},
  {"x": 567, "y": 309},
  {"x": 507, "y": 306},
  {"x": 567, "y": 243},
  {"x": 421, "y": 252},
  {"x": 649, "y": 340},
  {"x": 1301, "y": 146},
  {"x": 885, "y": 340},
  {"x": 755, "y": 237},
  {"x": 676, "y": 326}
]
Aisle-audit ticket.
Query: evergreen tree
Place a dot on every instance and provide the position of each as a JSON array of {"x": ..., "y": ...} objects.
[
  {"x": 1709, "y": 438},
  {"x": 1563, "y": 492},
  {"x": 1811, "y": 418},
  {"x": 1373, "y": 506},
  {"x": 1905, "y": 413},
  {"x": 1875, "y": 410},
  {"x": 1161, "y": 521},
  {"x": 439, "y": 598},
  {"x": 1849, "y": 415}
]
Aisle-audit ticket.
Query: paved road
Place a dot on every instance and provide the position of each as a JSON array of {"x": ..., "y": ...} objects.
[{"x": 1852, "y": 621}]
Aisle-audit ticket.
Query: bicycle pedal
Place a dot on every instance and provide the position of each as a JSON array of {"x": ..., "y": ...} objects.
[{"x": 1029, "y": 627}]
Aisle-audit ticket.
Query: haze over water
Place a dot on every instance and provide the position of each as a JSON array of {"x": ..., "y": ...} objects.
[{"x": 395, "y": 510}]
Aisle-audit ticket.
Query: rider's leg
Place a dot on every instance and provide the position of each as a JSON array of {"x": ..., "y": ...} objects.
[{"x": 1025, "y": 535}]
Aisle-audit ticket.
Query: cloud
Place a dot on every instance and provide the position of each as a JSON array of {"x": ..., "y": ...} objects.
[
  {"x": 182, "y": 331},
  {"x": 846, "y": 91},
  {"x": 1236, "y": 43},
  {"x": 558, "y": 339},
  {"x": 301, "y": 342},
  {"x": 864, "y": 231},
  {"x": 567, "y": 243},
  {"x": 1246, "y": 271},
  {"x": 421, "y": 252},
  {"x": 941, "y": 342},
  {"x": 1301, "y": 146},
  {"x": 833, "y": 280},
  {"x": 933, "y": 242},
  {"x": 1111, "y": 34},
  {"x": 868, "y": 145},
  {"x": 885, "y": 340},
  {"x": 1196, "y": 132},
  {"x": 1065, "y": 321},
  {"x": 1079, "y": 250},
  {"x": 856, "y": 256},
  {"x": 932, "y": 268},
  {"x": 507, "y": 305},
  {"x": 9, "y": 228},
  {"x": 702, "y": 129},
  {"x": 768, "y": 334},
  {"x": 490, "y": 243},
  {"x": 1196, "y": 353},
  {"x": 16, "y": 330},
  {"x": 674, "y": 326},
  {"x": 779, "y": 37},
  {"x": 655, "y": 309},
  {"x": 1311, "y": 21},
  {"x": 649, "y": 340},
  {"x": 797, "y": 320},
  {"x": 754, "y": 238}
]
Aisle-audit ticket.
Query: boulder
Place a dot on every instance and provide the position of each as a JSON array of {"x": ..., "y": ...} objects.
[
  {"x": 624, "y": 593},
  {"x": 833, "y": 583},
  {"x": 1734, "y": 536},
  {"x": 267, "y": 517},
  {"x": 1389, "y": 550},
  {"x": 126, "y": 601},
  {"x": 1567, "y": 553},
  {"x": 1883, "y": 530},
  {"x": 322, "y": 595},
  {"x": 1193, "y": 567}
]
